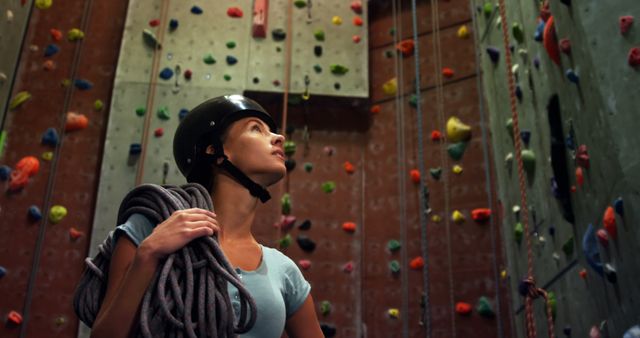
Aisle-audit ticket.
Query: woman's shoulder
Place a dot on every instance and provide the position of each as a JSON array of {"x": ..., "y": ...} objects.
[{"x": 278, "y": 257}]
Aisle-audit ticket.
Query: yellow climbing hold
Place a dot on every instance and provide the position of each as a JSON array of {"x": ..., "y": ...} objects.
[
  {"x": 19, "y": 99},
  {"x": 458, "y": 217},
  {"x": 336, "y": 20},
  {"x": 47, "y": 155},
  {"x": 43, "y": 4},
  {"x": 394, "y": 313},
  {"x": 390, "y": 87},
  {"x": 436, "y": 218},
  {"x": 463, "y": 32},
  {"x": 57, "y": 213},
  {"x": 98, "y": 105},
  {"x": 457, "y": 169},
  {"x": 65, "y": 82},
  {"x": 457, "y": 131},
  {"x": 503, "y": 274},
  {"x": 75, "y": 34}
]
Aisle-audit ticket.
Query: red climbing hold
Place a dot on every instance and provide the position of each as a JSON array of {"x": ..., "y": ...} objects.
[
  {"x": 625, "y": 24},
  {"x": 356, "y": 38},
  {"x": 447, "y": 72},
  {"x": 481, "y": 215},
  {"x": 375, "y": 109},
  {"x": 416, "y": 263},
  {"x": 56, "y": 34},
  {"x": 405, "y": 47},
  {"x": 187, "y": 74},
  {"x": 349, "y": 226},
  {"x": 565, "y": 46},
  {"x": 357, "y": 21},
  {"x": 463, "y": 308},
  {"x": 349, "y": 168},
  {"x": 436, "y": 136},
  {"x": 348, "y": 267},
  {"x": 356, "y": 6},
  {"x": 415, "y": 175},
  {"x": 583, "y": 273},
  {"x": 550, "y": 41},
  {"x": 573, "y": 188},
  {"x": 579, "y": 176},
  {"x": 75, "y": 233},
  {"x": 603, "y": 237},
  {"x": 158, "y": 132},
  {"x": 634, "y": 57},
  {"x": 582, "y": 156},
  {"x": 154, "y": 22},
  {"x": 234, "y": 12},
  {"x": 14, "y": 318},
  {"x": 545, "y": 11},
  {"x": 609, "y": 221}
]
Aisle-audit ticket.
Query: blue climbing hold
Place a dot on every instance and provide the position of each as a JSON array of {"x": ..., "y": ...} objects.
[
  {"x": 518, "y": 92},
  {"x": 34, "y": 213},
  {"x": 590, "y": 249},
  {"x": 3, "y": 272},
  {"x": 51, "y": 50},
  {"x": 572, "y": 76},
  {"x": 135, "y": 149},
  {"x": 50, "y": 137},
  {"x": 494, "y": 54},
  {"x": 166, "y": 73},
  {"x": 618, "y": 206},
  {"x": 525, "y": 135},
  {"x": 539, "y": 31},
  {"x": 536, "y": 62},
  {"x": 567, "y": 331},
  {"x": 231, "y": 60},
  {"x": 196, "y": 10},
  {"x": 552, "y": 231},
  {"x": 555, "y": 190},
  {"x": 183, "y": 112},
  {"x": 173, "y": 24},
  {"x": 633, "y": 332},
  {"x": 83, "y": 84},
  {"x": 5, "y": 172}
]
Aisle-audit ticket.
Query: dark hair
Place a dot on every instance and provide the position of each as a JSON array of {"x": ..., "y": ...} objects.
[{"x": 205, "y": 174}]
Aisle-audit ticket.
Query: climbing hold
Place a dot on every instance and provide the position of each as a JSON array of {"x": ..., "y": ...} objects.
[
  {"x": 595, "y": 332},
  {"x": 463, "y": 32},
  {"x": 166, "y": 73},
  {"x": 356, "y": 38},
  {"x": 34, "y": 213},
  {"x": 484, "y": 307},
  {"x": 308, "y": 167},
  {"x": 231, "y": 44},
  {"x": 457, "y": 131},
  {"x": 347, "y": 267},
  {"x": 285, "y": 203},
  {"x": 75, "y": 34},
  {"x": 14, "y": 317},
  {"x": 567, "y": 247},
  {"x": 565, "y": 46},
  {"x": 356, "y": 6},
  {"x": 572, "y": 76},
  {"x": 290, "y": 164},
  {"x": 457, "y": 217},
  {"x": 518, "y": 92},
  {"x": 328, "y": 150},
  {"x": 393, "y": 313},
  {"x": 394, "y": 266},
  {"x": 285, "y": 241},
  {"x": 457, "y": 169},
  {"x": 481, "y": 215},
  {"x": 583, "y": 273},
  {"x": 417, "y": 263},
  {"x": 234, "y": 12},
  {"x": 305, "y": 225},
  {"x": 188, "y": 74},
  {"x": 487, "y": 9},
  {"x": 528, "y": 160},
  {"x": 158, "y": 132},
  {"x": 98, "y": 105},
  {"x": 173, "y": 24},
  {"x": 463, "y": 308},
  {"x": 140, "y": 111},
  {"x": 349, "y": 168},
  {"x": 610, "y": 273},
  {"x": 25, "y": 168},
  {"x": 525, "y": 135},
  {"x": 456, "y": 150},
  {"x": 150, "y": 39},
  {"x": 135, "y": 149},
  {"x": 51, "y": 50},
  {"x": 208, "y": 59},
  {"x": 436, "y": 135},
  {"x": 625, "y": 24},
  {"x": 517, "y": 31},
  {"x": 634, "y": 57},
  {"x": 415, "y": 175},
  {"x": 47, "y": 155},
  {"x": 336, "y": 20},
  {"x": 375, "y": 109},
  {"x": 349, "y": 227},
  {"x": 338, "y": 69},
  {"x": 393, "y": 245},
  {"x": 390, "y": 87},
  {"x": 3, "y": 271},
  {"x": 413, "y": 101},
  {"x": 435, "y": 173},
  {"x": 448, "y": 72},
  {"x": 582, "y": 156},
  {"x": 609, "y": 222},
  {"x": 5, "y": 172},
  {"x": 319, "y": 34},
  {"x": 317, "y": 68},
  {"x": 50, "y": 137},
  {"x": 579, "y": 176},
  {"x": 83, "y": 84},
  {"x": 163, "y": 113},
  {"x": 226, "y": 77},
  {"x": 76, "y": 121},
  {"x": 57, "y": 213},
  {"x": 325, "y": 307},
  {"x": 603, "y": 237},
  {"x": 289, "y": 148},
  {"x": 328, "y": 186},
  {"x": 406, "y": 47},
  {"x": 56, "y": 34},
  {"x": 590, "y": 249},
  {"x": 305, "y": 264},
  {"x": 231, "y": 60},
  {"x": 305, "y": 243},
  {"x": 300, "y": 3},
  {"x": 536, "y": 62},
  {"x": 357, "y": 21},
  {"x": 633, "y": 332},
  {"x": 19, "y": 99},
  {"x": 518, "y": 231},
  {"x": 494, "y": 54},
  {"x": 503, "y": 274},
  {"x": 539, "y": 33},
  {"x": 550, "y": 41},
  {"x": 436, "y": 218},
  {"x": 327, "y": 330},
  {"x": 196, "y": 10},
  {"x": 278, "y": 34},
  {"x": 317, "y": 50},
  {"x": 75, "y": 233},
  {"x": 618, "y": 206}
]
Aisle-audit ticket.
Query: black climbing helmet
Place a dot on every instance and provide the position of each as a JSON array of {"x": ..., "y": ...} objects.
[{"x": 204, "y": 125}]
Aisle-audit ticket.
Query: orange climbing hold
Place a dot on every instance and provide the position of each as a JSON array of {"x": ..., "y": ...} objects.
[
  {"x": 48, "y": 65},
  {"x": 550, "y": 41},
  {"x": 481, "y": 215},
  {"x": 375, "y": 109},
  {"x": 349, "y": 226},
  {"x": 405, "y": 47},
  {"x": 415, "y": 175},
  {"x": 448, "y": 72},
  {"x": 76, "y": 121},
  {"x": 75, "y": 233},
  {"x": 579, "y": 176},
  {"x": 463, "y": 308},
  {"x": 357, "y": 21},
  {"x": 416, "y": 263},
  {"x": 234, "y": 12},
  {"x": 609, "y": 221},
  {"x": 56, "y": 34},
  {"x": 25, "y": 168},
  {"x": 349, "y": 168},
  {"x": 436, "y": 136}
]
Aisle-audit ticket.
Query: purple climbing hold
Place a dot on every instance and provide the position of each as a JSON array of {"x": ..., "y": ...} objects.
[
  {"x": 555, "y": 190},
  {"x": 5, "y": 172},
  {"x": 51, "y": 50},
  {"x": 166, "y": 73},
  {"x": 83, "y": 84},
  {"x": 618, "y": 206},
  {"x": 50, "y": 137},
  {"x": 536, "y": 62},
  {"x": 196, "y": 10},
  {"x": 494, "y": 54}
]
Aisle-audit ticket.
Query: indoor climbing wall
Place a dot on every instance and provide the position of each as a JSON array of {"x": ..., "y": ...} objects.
[
  {"x": 63, "y": 63},
  {"x": 575, "y": 70}
]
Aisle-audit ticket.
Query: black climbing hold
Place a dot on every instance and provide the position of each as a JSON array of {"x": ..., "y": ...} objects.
[
  {"x": 278, "y": 34},
  {"x": 256, "y": 80},
  {"x": 317, "y": 50},
  {"x": 278, "y": 49},
  {"x": 290, "y": 129},
  {"x": 336, "y": 86},
  {"x": 306, "y": 225},
  {"x": 518, "y": 93},
  {"x": 290, "y": 164},
  {"x": 231, "y": 60},
  {"x": 306, "y": 243},
  {"x": 327, "y": 330},
  {"x": 173, "y": 24}
]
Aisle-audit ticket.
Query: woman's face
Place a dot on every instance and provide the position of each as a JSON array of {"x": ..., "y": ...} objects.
[{"x": 256, "y": 151}]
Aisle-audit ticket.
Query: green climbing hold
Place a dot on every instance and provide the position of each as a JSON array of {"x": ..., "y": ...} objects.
[
  {"x": 487, "y": 9},
  {"x": 518, "y": 32},
  {"x": 227, "y": 77},
  {"x": 57, "y": 213},
  {"x": 551, "y": 298},
  {"x": 509, "y": 126},
  {"x": 19, "y": 99},
  {"x": 325, "y": 307},
  {"x": 286, "y": 204},
  {"x": 317, "y": 68},
  {"x": 518, "y": 231},
  {"x": 308, "y": 166},
  {"x": 567, "y": 247},
  {"x": 413, "y": 101},
  {"x": 289, "y": 148},
  {"x": 388, "y": 53},
  {"x": 338, "y": 69},
  {"x": 208, "y": 59},
  {"x": 98, "y": 105},
  {"x": 231, "y": 44},
  {"x": 163, "y": 113},
  {"x": 528, "y": 161},
  {"x": 285, "y": 241},
  {"x": 328, "y": 186},
  {"x": 435, "y": 173},
  {"x": 394, "y": 266},
  {"x": 300, "y": 3},
  {"x": 140, "y": 111},
  {"x": 393, "y": 245},
  {"x": 392, "y": 31},
  {"x": 456, "y": 150},
  {"x": 319, "y": 34},
  {"x": 484, "y": 307}
]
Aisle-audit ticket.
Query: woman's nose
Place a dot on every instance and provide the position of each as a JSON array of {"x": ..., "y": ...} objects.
[{"x": 278, "y": 138}]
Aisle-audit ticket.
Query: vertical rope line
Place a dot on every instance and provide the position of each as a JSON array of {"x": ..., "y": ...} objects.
[{"x": 487, "y": 173}]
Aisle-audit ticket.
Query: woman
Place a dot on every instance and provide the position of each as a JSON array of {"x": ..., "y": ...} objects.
[{"x": 228, "y": 145}]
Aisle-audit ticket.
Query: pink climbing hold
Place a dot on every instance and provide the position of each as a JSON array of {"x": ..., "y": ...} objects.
[
  {"x": 305, "y": 264},
  {"x": 609, "y": 221},
  {"x": 625, "y": 24},
  {"x": 348, "y": 267},
  {"x": 582, "y": 156},
  {"x": 565, "y": 46},
  {"x": 356, "y": 38},
  {"x": 286, "y": 222},
  {"x": 634, "y": 57},
  {"x": 234, "y": 12},
  {"x": 603, "y": 237},
  {"x": 356, "y": 6}
]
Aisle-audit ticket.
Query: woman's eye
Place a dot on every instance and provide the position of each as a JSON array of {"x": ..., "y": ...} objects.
[{"x": 256, "y": 127}]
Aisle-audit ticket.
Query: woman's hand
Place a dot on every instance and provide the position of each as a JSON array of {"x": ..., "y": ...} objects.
[{"x": 178, "y": 230}]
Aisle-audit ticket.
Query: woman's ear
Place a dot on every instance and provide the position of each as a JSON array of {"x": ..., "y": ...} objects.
[{"x": 210, "y": 149}]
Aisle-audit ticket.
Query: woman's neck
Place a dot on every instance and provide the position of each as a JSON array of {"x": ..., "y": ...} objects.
[{"x": 235, "y": 208}]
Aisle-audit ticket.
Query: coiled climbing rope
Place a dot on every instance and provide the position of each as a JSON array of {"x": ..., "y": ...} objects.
[{"x": 189, "y": 284}]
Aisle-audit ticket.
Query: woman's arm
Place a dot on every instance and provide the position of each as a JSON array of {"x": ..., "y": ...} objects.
[{"x": 304, "y": 322}]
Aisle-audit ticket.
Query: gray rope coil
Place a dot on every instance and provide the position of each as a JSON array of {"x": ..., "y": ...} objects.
[{"x": 199, "y": 270}]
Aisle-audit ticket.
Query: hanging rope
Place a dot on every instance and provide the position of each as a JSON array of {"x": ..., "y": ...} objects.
[
  {"x": 527, "y": 287},
  {"x": 188, "y": 295}
]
